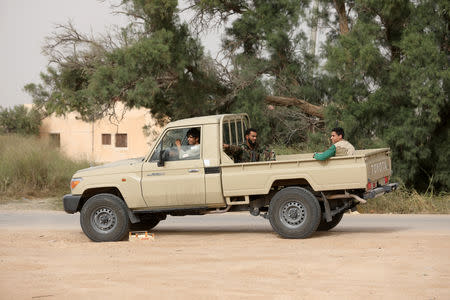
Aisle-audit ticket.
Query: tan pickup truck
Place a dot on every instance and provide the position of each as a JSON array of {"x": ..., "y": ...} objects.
[{"x": 297, "y": 193}]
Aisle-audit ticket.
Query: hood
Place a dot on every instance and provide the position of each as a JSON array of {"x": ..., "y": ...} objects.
[{"x": 109, "y": 168}]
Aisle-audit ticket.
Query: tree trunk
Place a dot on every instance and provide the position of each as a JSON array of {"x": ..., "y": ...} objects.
[
  {"x": 306, "y": 107},
  {"x": 340, "y": 9}
]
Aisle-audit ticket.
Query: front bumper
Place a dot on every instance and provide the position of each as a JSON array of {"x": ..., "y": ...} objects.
[
  {"x": 380, "y": 190},
  {"x": 71, "y": 203}
]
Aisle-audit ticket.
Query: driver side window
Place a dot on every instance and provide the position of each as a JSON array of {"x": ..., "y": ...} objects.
[{"x": 179, "y": 144}]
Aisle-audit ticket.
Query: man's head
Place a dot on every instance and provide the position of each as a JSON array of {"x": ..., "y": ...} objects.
[
  {"x": 193, "y": 136},
  {"x": 337, "y": 134},
  {"x": 250, "y": 136}
]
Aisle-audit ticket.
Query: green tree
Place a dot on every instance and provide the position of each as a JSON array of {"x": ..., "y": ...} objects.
[
  {"x": 385, "y": 78},
  {"x": 19, "y": 120},
  {"x": 269, "y": 56},
  {"x": 155, "y": 63},
  {"x": 389, "y": 83}
]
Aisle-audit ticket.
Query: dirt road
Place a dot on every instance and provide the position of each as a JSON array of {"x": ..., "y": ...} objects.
[{"x": 45, "y": 255}]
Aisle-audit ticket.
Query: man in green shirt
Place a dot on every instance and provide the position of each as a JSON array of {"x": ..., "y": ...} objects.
[
  {"x": 340, "y": 146},
  {"x": 250, "y": 151}
]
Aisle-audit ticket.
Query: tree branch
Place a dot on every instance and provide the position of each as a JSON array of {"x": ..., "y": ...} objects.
[{"x": 308, "y": 108}]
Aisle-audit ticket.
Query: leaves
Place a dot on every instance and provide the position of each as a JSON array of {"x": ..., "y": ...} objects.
[
  {"x": 383, "y": 76},
  {"x": 389, "y": 78},
  {"x": 19, "y": 120}
]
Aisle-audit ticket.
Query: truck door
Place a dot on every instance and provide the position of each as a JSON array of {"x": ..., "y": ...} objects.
[{"x": 181, "y": 180}]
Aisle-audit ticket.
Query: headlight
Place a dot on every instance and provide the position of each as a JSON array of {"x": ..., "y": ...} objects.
[{"x": 74, "y": 182}]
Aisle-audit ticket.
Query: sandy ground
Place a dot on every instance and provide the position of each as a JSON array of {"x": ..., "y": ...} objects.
[{"x": 190, "y": 260}]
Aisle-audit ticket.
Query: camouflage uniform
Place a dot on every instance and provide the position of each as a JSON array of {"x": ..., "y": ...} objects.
[
  {"x": 344, "y": 148},
  {"x": 243, "y": 153}
]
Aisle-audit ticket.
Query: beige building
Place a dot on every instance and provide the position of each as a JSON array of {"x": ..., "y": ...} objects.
[{"x": 113, "y": 138}]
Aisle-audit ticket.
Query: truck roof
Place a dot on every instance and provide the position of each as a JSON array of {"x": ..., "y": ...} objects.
[{"x": 214, "y": 119}]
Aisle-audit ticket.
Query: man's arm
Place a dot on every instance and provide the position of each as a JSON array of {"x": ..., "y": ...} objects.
[
  {"x": 235, "y": 152},
  {"x": 327, "y": 154},
  {"x": 232, "y": 149},
  {"x": 193, "y": 152}
]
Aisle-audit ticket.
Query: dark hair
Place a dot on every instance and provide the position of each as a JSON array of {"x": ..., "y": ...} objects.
[
  {"x": 247, "y": 132},
  {"x": 339, "y": 131},
  {"x": 194, "y": 132}
]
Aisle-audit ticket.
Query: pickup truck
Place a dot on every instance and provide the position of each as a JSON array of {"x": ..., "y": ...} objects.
[{"x": 298, "y": 194}]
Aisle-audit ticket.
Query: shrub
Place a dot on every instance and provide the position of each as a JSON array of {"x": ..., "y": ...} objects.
[
  {"x": 32, "y": 167},
  {"x": 19, "y": 120},
  {"x": 405, "y": 201}
]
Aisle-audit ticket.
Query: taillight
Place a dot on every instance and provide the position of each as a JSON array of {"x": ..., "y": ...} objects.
[{"x": 371, "y": 185}]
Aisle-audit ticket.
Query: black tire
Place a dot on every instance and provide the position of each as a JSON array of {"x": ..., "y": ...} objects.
[
  {"x": 325, "y": 226},
  {"x": 104, "y": 218},
  {"x": 147, "y": 222},
  {"x": 294, "y": 213}
]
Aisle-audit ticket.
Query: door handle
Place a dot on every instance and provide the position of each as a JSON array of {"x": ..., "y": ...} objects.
[
  {"x": 155, "y": 174},
  {"x": 193, "y": 170}
]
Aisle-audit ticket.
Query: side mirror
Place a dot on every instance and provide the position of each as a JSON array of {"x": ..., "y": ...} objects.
[{"x": 161, "y": 158}]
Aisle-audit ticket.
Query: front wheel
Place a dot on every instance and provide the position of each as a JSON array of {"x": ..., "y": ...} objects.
[
  {"x": 104, "y": 218},
  {"x": 294, "y": 213}
]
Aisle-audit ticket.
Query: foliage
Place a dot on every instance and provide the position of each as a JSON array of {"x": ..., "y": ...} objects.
[
  {"x": 404, "y": 201},
  {"x": 20, "y": 120},
  {"x": 268, "y": 54},
  {"x": 389, "y": 79},
  {"x": 383, "y": 73},
  {"x": 32, "y": 167},
  {"x": 156, "y": 63}
]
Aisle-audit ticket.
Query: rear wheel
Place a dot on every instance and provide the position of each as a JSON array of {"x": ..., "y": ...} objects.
[
  {"x": 104, "y": 218},
  {"x": 294, "y": 212},
  {"x": 325, "y": 226}
]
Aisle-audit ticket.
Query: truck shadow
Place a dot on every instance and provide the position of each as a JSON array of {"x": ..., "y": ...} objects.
[
  {"x": 216, "y": 229},
  {"x": 359, "y": 229},
  {"x": 236, "y": 230}
]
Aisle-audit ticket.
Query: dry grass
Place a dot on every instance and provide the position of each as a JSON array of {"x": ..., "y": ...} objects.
[
  {"x": 408, "y": 202},
  {"x": 31, "y": 167}
]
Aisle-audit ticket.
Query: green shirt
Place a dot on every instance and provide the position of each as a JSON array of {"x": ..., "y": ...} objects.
[{"x": 330, "y": 152}]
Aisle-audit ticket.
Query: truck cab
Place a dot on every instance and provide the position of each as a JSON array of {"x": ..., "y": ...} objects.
[{"x": 193, "y": 180}]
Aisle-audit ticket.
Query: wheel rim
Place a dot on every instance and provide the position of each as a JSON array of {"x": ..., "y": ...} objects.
[
  {"x": 293, "y": 214},
  {"x": 104, "y": 220}
]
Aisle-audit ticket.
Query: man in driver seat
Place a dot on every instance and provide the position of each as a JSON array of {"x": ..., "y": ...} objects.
[{"x": 193, "y": 150}]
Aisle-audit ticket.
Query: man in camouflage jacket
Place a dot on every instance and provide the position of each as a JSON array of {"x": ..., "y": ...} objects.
[{"x": 250, "y": 150}]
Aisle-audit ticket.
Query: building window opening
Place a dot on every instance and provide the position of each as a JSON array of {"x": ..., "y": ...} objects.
[
  {"x": 121, "y": 140},
  {"x": 106, "y": 139},
  {"x": 55, "y": 140}
]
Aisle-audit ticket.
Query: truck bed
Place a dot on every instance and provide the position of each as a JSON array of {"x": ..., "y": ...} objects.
[
  {"x": 337, "y": 173},
  {"x": 308, "y": 156}
]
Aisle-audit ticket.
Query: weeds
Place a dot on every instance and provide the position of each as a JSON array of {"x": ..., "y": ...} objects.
[
  {"x": 403, "y": 201},
  {"x": 32, "y": 168}
]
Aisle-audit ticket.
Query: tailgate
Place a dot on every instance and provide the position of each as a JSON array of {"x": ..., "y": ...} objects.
[{"x": 378, "y": 168}]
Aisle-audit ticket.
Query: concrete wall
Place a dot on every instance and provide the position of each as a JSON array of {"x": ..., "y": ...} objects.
[{"x": 83, "y": 140}]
